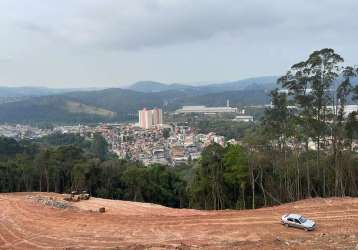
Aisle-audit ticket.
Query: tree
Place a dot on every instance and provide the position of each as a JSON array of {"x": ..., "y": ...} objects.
[
  {"x": 237, "y": 173},
  {"x": 351, "y": 128},
  {"x": 310, "y": 83},
  {"x": 99, "y": 146},
  {"x": 207, "y": 190},
  {"x": 324, "y": 67},
  {"x": 166, "y": 133},
  {"x": 135, "y": 181},
  {"x": 277, "y": 119},
  {"x": 43, "y": 161},
  {"x": 338, "y": 128},
  {"x": 9, "y": 147}
]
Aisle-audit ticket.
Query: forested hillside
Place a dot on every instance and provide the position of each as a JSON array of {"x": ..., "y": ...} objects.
[
  {"x": 256, "y": 83},
  {"x": 51, "y": 109},
  {"x": 115, "y": 105}
]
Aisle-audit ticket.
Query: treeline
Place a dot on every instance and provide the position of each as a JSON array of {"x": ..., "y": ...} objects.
[
  {"x": 61, "y": 163},
  {"x": 305, "y": 144},
  {"x": 68, "y": 163}
]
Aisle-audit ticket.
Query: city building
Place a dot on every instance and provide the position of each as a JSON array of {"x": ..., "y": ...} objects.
[
  {"x": 150, "y": 118},
  {"x": 351, "y": 108},
  {"x": 205, "y": 110},
  {"x": 244, "y": 118},
  {"x": 347, "y": 109},
  {"x": 157, "y": 115}
]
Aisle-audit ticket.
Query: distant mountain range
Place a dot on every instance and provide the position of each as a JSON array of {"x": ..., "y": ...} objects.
[
  {"x": 42, "y": 105},
  {"x": 262, "y": 83},
  {"x": 32, "y": 91},
  {"x": 151, "y": 87},
  {"x": 111, "y": 105}
]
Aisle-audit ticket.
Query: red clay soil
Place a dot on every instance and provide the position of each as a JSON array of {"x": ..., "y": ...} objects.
[{"x": 26, "y": 224}]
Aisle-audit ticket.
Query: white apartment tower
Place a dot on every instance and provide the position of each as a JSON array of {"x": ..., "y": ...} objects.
[
  {"x": 157, "y": 117},
  {"x": 149, "y": 118}
]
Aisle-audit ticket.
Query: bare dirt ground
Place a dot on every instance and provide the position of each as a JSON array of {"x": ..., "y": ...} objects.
[{"x": 26, "y": 224}]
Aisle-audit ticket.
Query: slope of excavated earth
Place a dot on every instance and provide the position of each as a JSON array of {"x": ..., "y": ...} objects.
[{"x": 26, "y": 223}]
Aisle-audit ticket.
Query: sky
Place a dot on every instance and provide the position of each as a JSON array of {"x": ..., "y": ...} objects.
[{"x": 113, "y": 43}]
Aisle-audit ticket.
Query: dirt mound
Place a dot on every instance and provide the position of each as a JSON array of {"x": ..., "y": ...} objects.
[
  {"x": 25, "y": 224},
  {"x": 50, "y": 201}
]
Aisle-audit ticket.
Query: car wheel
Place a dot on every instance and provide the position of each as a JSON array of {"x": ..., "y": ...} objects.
[
  {"x": 286, "y": 225},
  {"x": 306, "y": 229}
]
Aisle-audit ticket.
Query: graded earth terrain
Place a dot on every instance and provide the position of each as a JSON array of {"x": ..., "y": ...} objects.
[{"x": 26, "y": 223}]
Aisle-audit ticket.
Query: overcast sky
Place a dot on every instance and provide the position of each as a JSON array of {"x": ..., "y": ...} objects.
[{"x": 100, "y": 43}]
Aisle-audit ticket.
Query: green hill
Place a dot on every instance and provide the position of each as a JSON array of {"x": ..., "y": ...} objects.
[
  {"x": 115, "y": 105},
  {"x": 57, "y": 109},
  {"x": 256, "y": 83}
]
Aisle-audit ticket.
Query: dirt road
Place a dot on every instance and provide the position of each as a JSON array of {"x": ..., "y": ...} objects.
[{"x": 25, "y": 224}]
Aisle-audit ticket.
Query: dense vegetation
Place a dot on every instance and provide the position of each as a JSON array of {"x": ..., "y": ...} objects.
[
  {"x": 62, "y": 163},
  {"x": 305, "y": 146},
  {"x": 294, "y": 153},
  {"x": 47, "y": 109},
  {"x": 283, "y": 144}
]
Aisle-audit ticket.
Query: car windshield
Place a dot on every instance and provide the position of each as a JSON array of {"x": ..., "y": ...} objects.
[{"x": 302, "y": 219}]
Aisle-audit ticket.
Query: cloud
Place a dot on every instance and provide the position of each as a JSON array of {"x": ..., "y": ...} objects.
[
  {"x": 120, "y": 24},
  {"x": 6, "y": 59},
  {"x": 91, "y": 41}
]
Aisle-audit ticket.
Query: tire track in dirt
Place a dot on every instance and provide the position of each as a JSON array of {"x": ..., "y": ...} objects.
[{"x": 27, "y": 225}]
